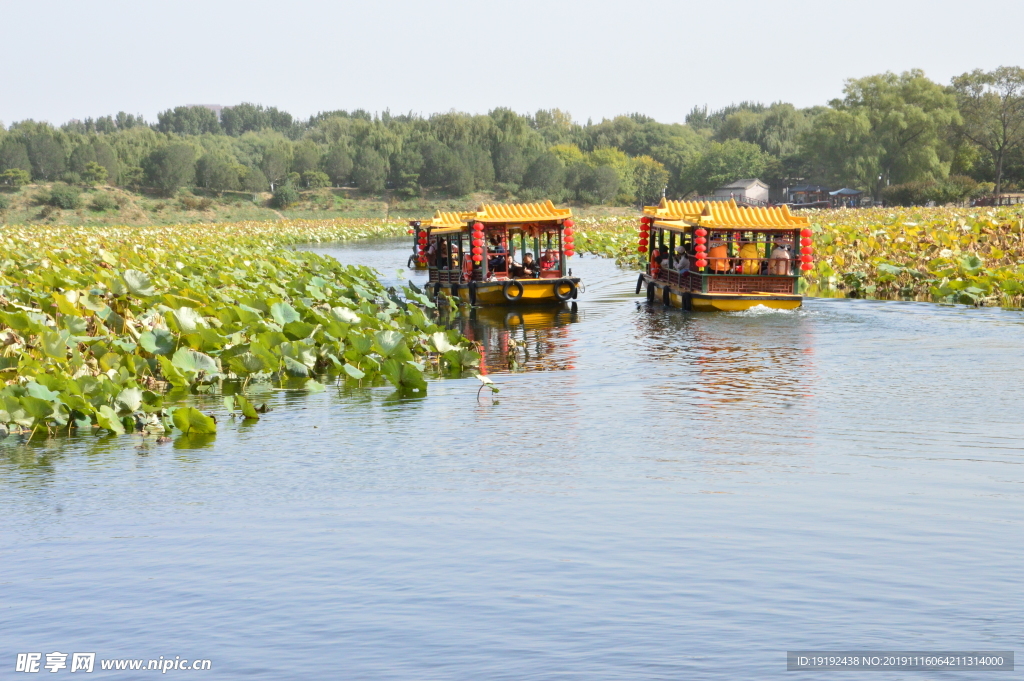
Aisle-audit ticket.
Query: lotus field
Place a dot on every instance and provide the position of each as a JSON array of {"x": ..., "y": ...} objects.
[
  {"x": 973, "y": 256},
  {"x": 109, "y": 328}
]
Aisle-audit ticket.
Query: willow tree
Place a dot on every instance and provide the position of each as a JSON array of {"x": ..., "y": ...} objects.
[{"x": 992, "y": 107}]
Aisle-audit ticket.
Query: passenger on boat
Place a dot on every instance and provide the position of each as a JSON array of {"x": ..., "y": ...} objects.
[
  {"x": 750, "y": 258},
  {"x": 681, "y": 263},
  {"x": 528, "y": 269},
  {"x": 718, "y": 257},
  {"x": 497, "y": 261},
  {"x": 779, "y": 263},
  {"x": 548, "y": 261}
]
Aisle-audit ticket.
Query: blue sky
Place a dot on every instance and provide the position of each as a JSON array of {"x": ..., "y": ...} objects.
[{"x": 595, "y": 59}]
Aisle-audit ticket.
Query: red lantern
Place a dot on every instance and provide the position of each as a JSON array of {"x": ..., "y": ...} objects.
[
  {"x": 646, "y": 220},
  {"x": 641, "y": 248},
  {"x": 569, "y": 253},
  {"x": 701, "y": 231},
  {"x": 412, "y": 231},
  {"x": 806, "y": 267},
  {"x": 700, "y": 248},
  {"x": 478, "y": 250},
  {"x": 806, "y": 232},
  {"x": 805, "y": 258},
  {"x": 806, "y": 241},
  {"x": 807, "y": 250},
  {"x": 568, "y": 224},
  {"x": 701, "y": 240},
  {"x": 422, "y": 260},
  {"x": 702, "y": 263},
  {"x": 478, "y": 226},
  {"x": 643, "y": 242},
  {"x": 567, "y": 231},
  {"x": 567, "y": 242}
]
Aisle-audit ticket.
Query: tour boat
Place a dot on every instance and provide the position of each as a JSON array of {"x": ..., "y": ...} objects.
[
  {"x": 715, "y": 255},
  {"x": 475, "y": 255}
]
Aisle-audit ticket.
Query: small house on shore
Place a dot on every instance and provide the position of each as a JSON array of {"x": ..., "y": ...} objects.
[{"x": 751, "y": 190}]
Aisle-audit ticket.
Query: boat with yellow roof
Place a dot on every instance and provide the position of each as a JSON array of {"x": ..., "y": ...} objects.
[
  {"x": 717, "y": 255},
  {"x": 472, "y": 255}
]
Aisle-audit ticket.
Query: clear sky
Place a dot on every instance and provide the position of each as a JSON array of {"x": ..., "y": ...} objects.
[{"x": 67, "y": 59}]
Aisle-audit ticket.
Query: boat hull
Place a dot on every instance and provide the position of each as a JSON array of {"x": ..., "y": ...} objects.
[
  {"x": 535, "y": 292},
  {"x": 675, "y": 296}
]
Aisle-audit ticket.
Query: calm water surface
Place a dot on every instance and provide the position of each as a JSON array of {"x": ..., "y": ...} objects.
[{"x": 657, "y": 495}]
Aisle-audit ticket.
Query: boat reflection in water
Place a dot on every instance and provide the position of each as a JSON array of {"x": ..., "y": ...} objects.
[{"x": 525, "y": 339}]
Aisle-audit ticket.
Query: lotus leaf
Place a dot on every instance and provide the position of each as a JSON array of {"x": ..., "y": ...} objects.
[{"x": 190, "y": 420}]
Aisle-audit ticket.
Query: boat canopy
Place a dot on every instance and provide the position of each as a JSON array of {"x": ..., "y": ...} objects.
[
  {"x": 444, "y": 222},
  {"x": 518, "y": 212},
  {"x": 511, "y": 213},
  {"x": 683, "y": 215}
]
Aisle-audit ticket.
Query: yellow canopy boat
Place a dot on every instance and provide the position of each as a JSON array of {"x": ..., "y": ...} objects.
[
  {"x": 716, "y": 255},
  {"x": 472, "y": 255}
]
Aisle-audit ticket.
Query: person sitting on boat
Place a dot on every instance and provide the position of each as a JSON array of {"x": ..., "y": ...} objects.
[
  {"x": 749, "y": 258},
  {"x": 680, "y": 263},
  {"x": 497, "y": 261},
  {"x": 529, "y": 268},
  {"x": 779, "y": 262},
  {"x": 548, "y": 261},
  {"x": 718, "y": 257}
]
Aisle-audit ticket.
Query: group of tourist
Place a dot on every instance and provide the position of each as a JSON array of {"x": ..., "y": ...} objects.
[{"x": 748, "y": 259}]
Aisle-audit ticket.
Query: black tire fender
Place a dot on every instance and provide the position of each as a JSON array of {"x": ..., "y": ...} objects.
[
  {"x": 571, "y": 293},
  {"x": 509, "y": 284},
  {"x": 639, "y": 283},
  {"x": 472, "y": 292},
  {"x": 666, "y": 296},
  {"x": 650, "y": 292}
]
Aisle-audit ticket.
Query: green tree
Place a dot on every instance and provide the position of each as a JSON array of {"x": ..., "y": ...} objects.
[
  {"x": 370, "y": 170},
  {"x": 546, "y": 174},
  {"x": 305, "y": 157},
  {"x": 338, "y": 165},
  {"x": 171, "y": 167},
  {"x": 94, "y": 173},
  {"x": 405, "y": 171},
  {"x": 15, "y": 177},
  {"x": 107, "y": 158},
  {"x": 216, "y": 172},
  {"x": 285, "y": 196},
  {"x": 315, "y": 179},
  {"x": 509, "y": 163},
  {"x": 14, "y": 154},
  {"x": 188, "y": 120},
  {"x": 255, "y": 181},
  {"x": 81, "y": 156},
  {"x": 274, "y": 163},
  {"x": 888, "y": 129},
  {"x": 47, "y": 157},
  {"x": 723, "y": 162},
  {"x": 992, "y": 109},
  {"x": 650, "y": 178}
]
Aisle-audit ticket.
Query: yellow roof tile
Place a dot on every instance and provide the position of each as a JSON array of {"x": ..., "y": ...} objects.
[
  {"x": 518, "y": 212},
  {"x": 726, "y": 214},
  {"x": 444, "y": 220}
]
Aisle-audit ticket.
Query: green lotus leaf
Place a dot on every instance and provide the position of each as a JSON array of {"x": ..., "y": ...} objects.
[
  {"x": 248, "y": 411},
  {"x": 295, "y": 368},
  {"x": 284, "y": 313},
  {"x": 41, "y": 392},
  {"x": 353, "y": 371},
  {"x": 107, "y": 418},
  {"x": 192, "y": 362},
  {"x": 139, "y": 283},
  {"x": 190, "y": 420},
  {"x": 158, "y": 342},
  {"x": 129, "y": 399}
]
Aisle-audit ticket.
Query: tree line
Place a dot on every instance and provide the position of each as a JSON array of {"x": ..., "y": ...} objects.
[{"x": 892, "y": 135}]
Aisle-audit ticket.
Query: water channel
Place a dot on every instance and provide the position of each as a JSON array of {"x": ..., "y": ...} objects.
[{"x": 654, "y": 495}]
